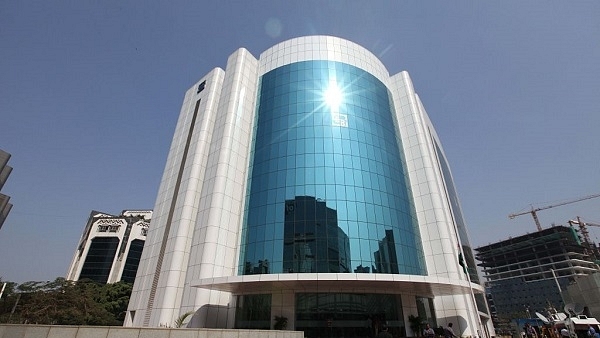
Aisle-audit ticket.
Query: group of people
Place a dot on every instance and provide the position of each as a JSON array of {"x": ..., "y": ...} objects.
[
  {"x": 545, "y": 332},
  {"x": 530, "y": 332},
  {"x": 428, "y": 332}
]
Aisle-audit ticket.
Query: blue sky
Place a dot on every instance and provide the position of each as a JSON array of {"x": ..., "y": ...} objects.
[{"x": 90, "y": 93}]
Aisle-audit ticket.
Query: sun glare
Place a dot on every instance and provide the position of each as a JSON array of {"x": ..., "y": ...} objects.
[{"x": 333, "y": 96}]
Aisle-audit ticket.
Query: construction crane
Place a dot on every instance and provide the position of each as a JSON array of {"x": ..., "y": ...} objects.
[
  {"x": 534, "y": 211},
  {"x": 583, "y": 228}
]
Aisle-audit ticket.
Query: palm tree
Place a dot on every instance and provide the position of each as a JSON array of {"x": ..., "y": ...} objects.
[{"x": 181, "y": 319}]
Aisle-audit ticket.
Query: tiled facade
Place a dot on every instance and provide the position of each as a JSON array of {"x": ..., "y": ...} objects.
[{"x": 306, "y": 178}]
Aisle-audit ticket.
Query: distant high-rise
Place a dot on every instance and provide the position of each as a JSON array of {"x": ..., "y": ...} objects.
[
  {"x": 110, "y": 247},
  {"x": 5, "y": 170},
  {"x": 524, "y": 273},
  {"x": 307, "y": 184}
]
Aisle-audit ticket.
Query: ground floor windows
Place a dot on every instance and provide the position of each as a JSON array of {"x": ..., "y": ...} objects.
[
  {"x": 323, "y": 314},
  {"x": 348, "y": 314},
  {"x": 253, "y": 312}
]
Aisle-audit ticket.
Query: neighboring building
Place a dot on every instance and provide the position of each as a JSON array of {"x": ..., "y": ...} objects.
[
  {"x": 5, "y": 170},
  {"x": 307, "y": 184},
  {"x": 110, "y": 247},
  {"x": 523, "y": 273},
  {"x": 584, "y": 293}
]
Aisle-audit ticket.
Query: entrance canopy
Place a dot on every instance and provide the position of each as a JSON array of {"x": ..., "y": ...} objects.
[{"x": 426, "y": 286}]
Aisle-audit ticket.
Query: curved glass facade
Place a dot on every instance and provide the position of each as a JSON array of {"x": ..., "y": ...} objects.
[{"x": 328, "y": 189}]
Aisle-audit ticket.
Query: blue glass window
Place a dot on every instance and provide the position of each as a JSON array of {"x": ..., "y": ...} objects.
[{"x": 328, "y": 190}]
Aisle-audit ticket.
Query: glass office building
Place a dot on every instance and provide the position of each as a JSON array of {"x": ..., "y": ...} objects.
[
  {"x": 345, "y": 157},
  {"x": 307, "y": 184}
]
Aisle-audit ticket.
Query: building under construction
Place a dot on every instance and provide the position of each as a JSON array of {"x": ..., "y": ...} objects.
[{"x": 527, "y": 274}]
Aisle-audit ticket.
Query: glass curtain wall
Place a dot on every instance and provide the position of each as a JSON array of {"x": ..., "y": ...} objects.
[{"x": 328, "y": 189}]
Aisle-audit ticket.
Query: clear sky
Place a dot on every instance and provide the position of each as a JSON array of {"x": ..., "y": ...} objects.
[{"x": 90, "y": 93}]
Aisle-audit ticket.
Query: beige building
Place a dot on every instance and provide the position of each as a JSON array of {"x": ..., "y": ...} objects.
[{"x": 584, "y": 293}]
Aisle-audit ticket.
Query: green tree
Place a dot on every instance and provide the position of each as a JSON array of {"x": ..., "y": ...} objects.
[
  {"x": 7, "y": 299},
  {"x": 115, "y": 298},
  {"x": 66, "y": 303}
]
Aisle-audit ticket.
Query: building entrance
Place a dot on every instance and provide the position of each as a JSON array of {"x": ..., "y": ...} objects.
[{"x": 348, "y": 314}]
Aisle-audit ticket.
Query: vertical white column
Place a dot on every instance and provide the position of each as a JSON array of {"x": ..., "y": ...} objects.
[
  {"x": 157, "y": 293},
  {"x": 216, "y": 234},
  {"x": 440, "y": 240}
]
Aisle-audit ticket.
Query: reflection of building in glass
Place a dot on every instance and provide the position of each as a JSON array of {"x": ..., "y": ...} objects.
[
  {"x": 262, "y": 267},
  {"x": 385, "y": 257},
  {"x": 110, "y": 247},
  {"x": 308, "y": 173},
  {"x": 312, "y": 240}
]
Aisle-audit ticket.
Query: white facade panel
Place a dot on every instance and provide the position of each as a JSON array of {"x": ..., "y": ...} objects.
[{"x": 196, "y": 235}]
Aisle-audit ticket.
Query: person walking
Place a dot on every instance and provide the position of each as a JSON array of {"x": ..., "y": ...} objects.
[
  {"x": 592, "y": 332},
  {"x": 449, "y": 332},
  {"x": 530, "y": 331},
  {"x": 428, "y": 332}
]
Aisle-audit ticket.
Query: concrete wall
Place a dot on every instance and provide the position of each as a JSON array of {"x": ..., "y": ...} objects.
[{"x": 56, "y": 331}]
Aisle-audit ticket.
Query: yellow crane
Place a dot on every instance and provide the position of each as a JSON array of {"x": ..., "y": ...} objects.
[{"x": 534, "y": 211}]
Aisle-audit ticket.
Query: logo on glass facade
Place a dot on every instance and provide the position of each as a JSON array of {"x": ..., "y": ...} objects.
[{"x": 339, "y": 120}]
